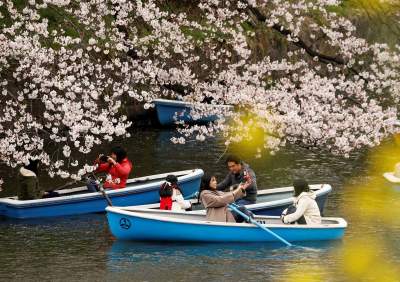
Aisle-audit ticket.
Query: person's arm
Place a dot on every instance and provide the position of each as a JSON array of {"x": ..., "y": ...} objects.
[
  {"x": 300, "y": 209},
  {"x": 184, "y": 204},
  {"x": 239, "y": 192},
  {"x": 122, "y": 170},
  {"x": 103, "y": 167},
  {"x": 211, "y": 200},
  {"x": 225, "y": 183}
]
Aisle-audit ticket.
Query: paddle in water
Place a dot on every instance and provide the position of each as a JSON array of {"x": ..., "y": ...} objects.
[{"x": 234, "y": 208}]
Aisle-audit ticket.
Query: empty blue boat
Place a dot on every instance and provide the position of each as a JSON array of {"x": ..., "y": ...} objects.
[
  {"x": 272, "y": 201},
  {"x": 171, "y": 111},
  {"x": 139, "y": 191},
  {"x": 159, "y": 225}
]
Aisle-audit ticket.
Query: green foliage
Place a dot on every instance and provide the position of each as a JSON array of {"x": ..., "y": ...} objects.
[
  {"x": 196, "y": 34},
  {"x": 248, "y": 27},
  {"x": 60, "y": 19},
  {"x": 20, "y": 4}
]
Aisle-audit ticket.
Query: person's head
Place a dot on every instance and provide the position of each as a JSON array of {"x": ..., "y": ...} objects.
[
  {"x": 234, "y": 164},
  {"x": 208, "y": 182},
  {"x": 118, "y": 154},
  {"x": 172, "y": 179},
  {"x": 33, "y": 165},
  {"x": 300, "y": 186}
]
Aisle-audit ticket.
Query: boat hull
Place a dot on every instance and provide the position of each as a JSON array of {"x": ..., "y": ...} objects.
[
  {"x": 169, "y": 111},
  {"x": 132, "y": 226},
  {"x": 94, "y": 202}
]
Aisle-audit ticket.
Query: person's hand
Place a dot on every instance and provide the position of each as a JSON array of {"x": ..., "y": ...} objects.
[
  {"x": 239, "y": 189},
  {"x": 98, "y": 159},
  {"x": 243, "y": 186},
  {"x": 111, "y": 161}
]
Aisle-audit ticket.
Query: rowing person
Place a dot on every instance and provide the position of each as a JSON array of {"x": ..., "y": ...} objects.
[
  {"x": 117, "y": 166},
  {"x": 240, "y": 173}
]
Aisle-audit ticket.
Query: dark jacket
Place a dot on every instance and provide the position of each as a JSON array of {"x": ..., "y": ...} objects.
[
  {"x": 28, "y": 185},
  {"x": 234, "y": 179}
]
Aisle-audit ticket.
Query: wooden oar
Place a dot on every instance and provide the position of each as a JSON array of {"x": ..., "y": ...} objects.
[
  {"x": 102, "y": 191},
  {"x": 248, "y": 218},
  {"x": 105, "y": 195},
  {"x": 64, "y": 185}
]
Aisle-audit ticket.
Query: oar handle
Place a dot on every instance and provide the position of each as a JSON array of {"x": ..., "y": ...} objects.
[
  {"x": 102, "y": 191},
  {"x": 248, "y": 218}
]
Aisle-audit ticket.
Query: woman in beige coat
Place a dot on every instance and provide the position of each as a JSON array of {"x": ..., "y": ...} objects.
[{"x": 216, "y": 202}]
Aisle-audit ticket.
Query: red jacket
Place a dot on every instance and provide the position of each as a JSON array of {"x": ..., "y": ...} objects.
[{"x": 117, "y": 174}]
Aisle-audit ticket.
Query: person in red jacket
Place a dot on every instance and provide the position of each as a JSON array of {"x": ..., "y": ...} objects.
[{"x": 117, "y": 166}]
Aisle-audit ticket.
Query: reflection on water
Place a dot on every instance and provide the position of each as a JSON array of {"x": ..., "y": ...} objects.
[
  {"x": 82, "y": 248},
  {"x": 208, "y": 260}
]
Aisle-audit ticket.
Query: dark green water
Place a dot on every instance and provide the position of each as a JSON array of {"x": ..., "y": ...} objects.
[{"x": 82, "y": 248}]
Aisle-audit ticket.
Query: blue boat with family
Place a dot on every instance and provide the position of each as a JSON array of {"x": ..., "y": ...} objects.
[
  {"x": 139, "y": 191},
  {"x": 270, "y": 201},
  {"x": 138, "y": 224},
  {"x": 171, "y": 111}
]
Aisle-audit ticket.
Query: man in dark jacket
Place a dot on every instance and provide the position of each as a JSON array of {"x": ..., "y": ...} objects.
[
  {"x": 28, "y": 182},
  {"x": 240, "y": 173}
]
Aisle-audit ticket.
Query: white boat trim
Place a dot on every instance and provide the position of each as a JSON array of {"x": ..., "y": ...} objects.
[
  {"x": 161, "y": 215},
  {"x": 320, "y": 188}
]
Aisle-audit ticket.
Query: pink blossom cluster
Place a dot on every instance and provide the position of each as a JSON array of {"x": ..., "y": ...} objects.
[{"x": 63, "y": 82}]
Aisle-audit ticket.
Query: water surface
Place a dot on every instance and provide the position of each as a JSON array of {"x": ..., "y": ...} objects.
[{"x": 82, "y": 248}]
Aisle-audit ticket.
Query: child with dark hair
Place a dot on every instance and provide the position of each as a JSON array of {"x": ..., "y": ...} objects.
[
  {"x": 171, "y": 196},
  {"x": 117, "y": 166},
  {"x": 306, "y": 208}
]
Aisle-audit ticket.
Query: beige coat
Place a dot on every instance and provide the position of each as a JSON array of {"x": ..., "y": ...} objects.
[
  {"x": 216, "y": 203},
  {"x": 305, "y": 205}
]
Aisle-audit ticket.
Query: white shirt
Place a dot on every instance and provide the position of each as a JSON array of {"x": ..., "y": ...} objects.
[{"x": 178, "y": 202}]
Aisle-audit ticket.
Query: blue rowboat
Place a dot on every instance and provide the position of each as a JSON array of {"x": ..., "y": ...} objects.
[
  {"x": 171, "y": 111},
  {"x": 272, "y": 201},
  {"x": 139, "y": 224},
  {"x": 139, "y": 191}
]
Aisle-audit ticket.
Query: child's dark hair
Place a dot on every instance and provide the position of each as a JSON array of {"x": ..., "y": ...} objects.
[
  {"x": 172, "y": 179},
  {"x": 171, "y": 182}
]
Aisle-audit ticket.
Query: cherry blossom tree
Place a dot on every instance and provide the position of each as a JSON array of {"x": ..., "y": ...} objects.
[{"x": 66, "y": 68}]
